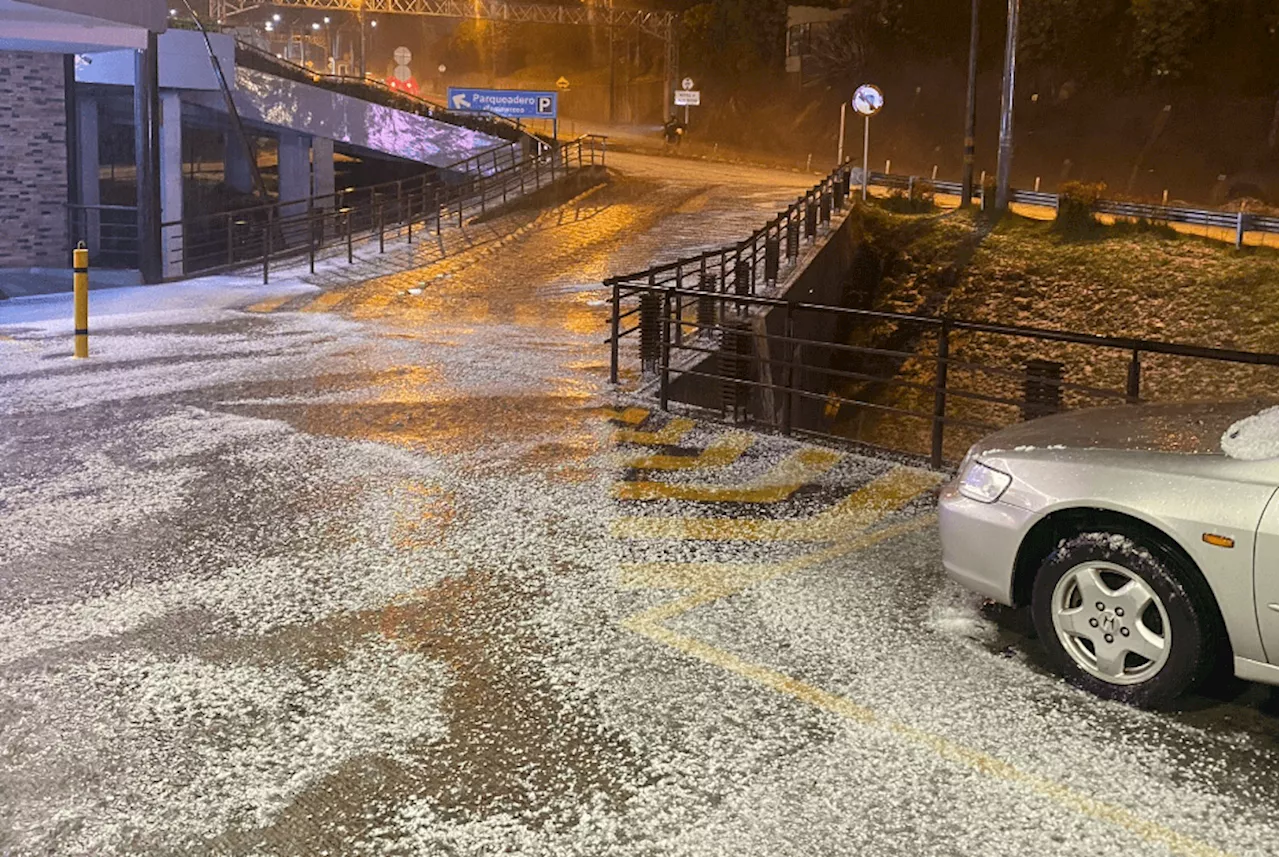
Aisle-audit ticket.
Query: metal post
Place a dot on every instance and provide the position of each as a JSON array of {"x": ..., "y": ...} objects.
[
  {"x": 311, "y": 241},
  {"x": 613, "y": 337},
  {"x": 1133, "y": 383},
  {"x": 788, "y": 330},
  {"x": 1005, "y": 156},
  {"x": 679, "y": 331},
  {"x": 664, "y": 382},
  {"x": 80, "y": 262},
  {"x": 360, "y": 24},
  {"x": 840, "y": 146},
  {"x": 1240, "y": 220},
  {"x": 940, "y": 394},
  {"x": 266, "y": 246},
  {"x": 382, "y": 246},
  {"x": 970, "y": 112},
  {"x": 350, "y": 254},
  {"x": 866, "y": 149}
]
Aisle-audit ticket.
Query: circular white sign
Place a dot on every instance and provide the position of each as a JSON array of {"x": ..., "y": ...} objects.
[
  {"x": 687, "y": 84},
  {"x": 402, "y": 73},
  {"x": 402, "y": 56},
  {"x": 441, "y": 68},
  {"x": 868, "y": 99}
]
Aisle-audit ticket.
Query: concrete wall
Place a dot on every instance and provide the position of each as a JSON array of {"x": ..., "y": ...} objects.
[{"x": 33, "y": 161}]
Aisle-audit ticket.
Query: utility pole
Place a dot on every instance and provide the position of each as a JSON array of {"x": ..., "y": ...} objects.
[
  {"x": 612, "y": 64},
  {"x": 970, "y": 112},
  {"x": 1005, "y": 160},
  {"x": 360, "y": 24}
]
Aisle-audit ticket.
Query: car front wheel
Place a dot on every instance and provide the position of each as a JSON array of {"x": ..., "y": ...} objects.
[{"x": 1123, "y": 619}]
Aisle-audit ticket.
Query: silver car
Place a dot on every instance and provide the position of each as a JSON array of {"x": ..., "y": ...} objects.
[{"x": 1147, "y": 554}]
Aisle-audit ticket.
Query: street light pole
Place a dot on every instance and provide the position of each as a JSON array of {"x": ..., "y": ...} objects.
[
  {"x": 970, "y": 112},
  {"x": 1005, "y": 160}
]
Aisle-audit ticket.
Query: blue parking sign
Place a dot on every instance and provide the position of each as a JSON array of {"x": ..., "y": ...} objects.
[{"x": 511, "y": 103}]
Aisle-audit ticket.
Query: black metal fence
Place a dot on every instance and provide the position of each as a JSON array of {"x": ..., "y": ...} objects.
[
  {"x": 109, "y": 231},
  {"x": 752, "y": 264},
  {"x": 917, "y": 385},
  {"x": 399, "y": 210}
]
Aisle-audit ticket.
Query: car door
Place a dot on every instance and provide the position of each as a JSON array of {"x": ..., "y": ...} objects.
[{"x": 1266, "y": 578}]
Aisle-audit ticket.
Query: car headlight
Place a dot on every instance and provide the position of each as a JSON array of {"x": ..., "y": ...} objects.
[{"x": 982, "y": 483}]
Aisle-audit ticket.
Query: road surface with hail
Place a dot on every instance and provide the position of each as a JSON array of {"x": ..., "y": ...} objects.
[{"x": 383, "y": 566}]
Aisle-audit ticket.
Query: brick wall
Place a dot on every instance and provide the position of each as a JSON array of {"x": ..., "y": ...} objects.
[{"x": 33, "y": 161}]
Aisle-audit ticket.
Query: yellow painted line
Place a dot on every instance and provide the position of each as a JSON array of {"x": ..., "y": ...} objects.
[
  {"x": 856, "y": 512},
  {"x": 792, "y": 473},
  {"x": 720, "y": 453},
  {"x": 325, "y": 301},
  {"x": 668, "y": 435},
  {"x": 710, "y": 582},
  {"x": 270, "y": 304},
  {"x": 627, "y": 416},
  {"x": 952, "y": 751}
]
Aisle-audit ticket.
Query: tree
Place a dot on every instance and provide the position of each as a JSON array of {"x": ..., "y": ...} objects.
[
  {"x": 734, "y": 37},
  {"x": 1165, "y": 33}
]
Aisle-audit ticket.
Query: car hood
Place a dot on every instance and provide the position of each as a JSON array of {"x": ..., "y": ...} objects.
[{"x": 1171, "y": 428}]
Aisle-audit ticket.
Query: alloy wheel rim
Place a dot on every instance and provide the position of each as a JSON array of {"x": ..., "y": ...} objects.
[{"x": 1111, "y": 623}]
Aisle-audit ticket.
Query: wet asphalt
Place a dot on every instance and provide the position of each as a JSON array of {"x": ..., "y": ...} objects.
[{"x": 350, "y": 572}]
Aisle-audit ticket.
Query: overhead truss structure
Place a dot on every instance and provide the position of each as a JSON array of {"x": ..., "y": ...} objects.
[{"x": 658, "y": 24}]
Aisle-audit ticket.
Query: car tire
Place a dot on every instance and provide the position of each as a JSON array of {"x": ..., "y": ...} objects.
[{"x": 1124, "y": 618}]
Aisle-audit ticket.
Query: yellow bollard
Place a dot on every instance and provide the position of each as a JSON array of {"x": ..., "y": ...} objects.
[{"x": 82, "y": 300}]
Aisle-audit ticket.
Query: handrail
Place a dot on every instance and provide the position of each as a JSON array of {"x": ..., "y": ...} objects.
[
  {"x": 686, "y": 331},
  {"x": 256, "y": 235},
  {"x": 302, "y": 74}
]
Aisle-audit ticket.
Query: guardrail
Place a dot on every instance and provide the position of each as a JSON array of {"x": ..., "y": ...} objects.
[
  {"x": 266, "y": 233},
  {"x": 940, "y": 382},
  {"x": 1242, "y": 222}
]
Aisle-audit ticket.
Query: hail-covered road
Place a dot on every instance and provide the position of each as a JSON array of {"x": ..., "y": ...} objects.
[{"x": 386, "y": 568}]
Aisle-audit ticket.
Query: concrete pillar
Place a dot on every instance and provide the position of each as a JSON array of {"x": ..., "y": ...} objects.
[
  {"x": 236, "y": 174},
  {"x": 89, "y": 190},
  {"x": 322, "y": 180},
  {"x": 294, "y": 173},
  {"x": 171, "y": 182}
]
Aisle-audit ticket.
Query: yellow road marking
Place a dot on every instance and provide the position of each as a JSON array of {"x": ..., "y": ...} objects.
[
  {"x": 778, "y": 484},
  {"x": 720, "y": 453},
  {"x": 325, "y": 301},
  {"x": 270, "y": 304},
  {"x": 668, "y": 435},
  {"x": 857, "y": 511},
  {"x": 709, "y": 582},
  {"x": 628, "y": 416}
]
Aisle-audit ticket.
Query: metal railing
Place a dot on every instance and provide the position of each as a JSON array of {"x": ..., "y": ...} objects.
[
  {"x": 110, "y": 232},
  {"x": 755, "y": 263},
  {"x": 368, "y": 89},
  {"x": 268, "y": 233},
  {"x": 1242, "y": 222},
  {"x": 916, "y": 385}
]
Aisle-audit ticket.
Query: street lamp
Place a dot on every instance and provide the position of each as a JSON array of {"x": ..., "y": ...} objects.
[{"x": 276, "y": 17}]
